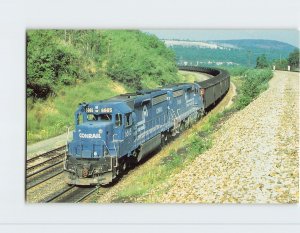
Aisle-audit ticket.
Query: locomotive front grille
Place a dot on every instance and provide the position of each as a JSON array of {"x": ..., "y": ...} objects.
[{"x": 89, "y": 167}]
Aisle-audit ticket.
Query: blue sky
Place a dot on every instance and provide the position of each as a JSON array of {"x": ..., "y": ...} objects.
[{"x": 285, "y": 35}]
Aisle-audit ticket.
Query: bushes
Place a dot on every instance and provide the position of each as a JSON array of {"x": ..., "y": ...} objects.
[
  {"x": 254, "y": 82},
  {"x": 136, "y": 58},
  {"x": 48, "y": 64},
  {"x": 56, "y": 58}
]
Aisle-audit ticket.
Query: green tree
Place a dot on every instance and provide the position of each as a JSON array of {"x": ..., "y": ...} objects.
[
  {"x": 281, "y": 64},
  {"x": 48, "y": 63},
  {"x": 65, "y": 57},
  {"x": 261, "y": 62},
  {"x": 293, "y": 58}
]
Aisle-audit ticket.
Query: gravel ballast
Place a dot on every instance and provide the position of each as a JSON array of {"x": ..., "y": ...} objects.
[{"x": 254, "y": 158}]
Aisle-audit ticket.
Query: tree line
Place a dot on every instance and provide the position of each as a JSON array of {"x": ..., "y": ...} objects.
[
  {"x": 56, "y": 58},
  {"x": 281, "y": 63}
]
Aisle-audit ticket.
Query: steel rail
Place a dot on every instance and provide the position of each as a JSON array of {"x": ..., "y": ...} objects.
[
  {"x": 44, "y": 162},
  {"x": 59, "y": 193},
  {"x": 43, "y": 180},
  {"x": 86, "y": 195},
  {"x": 45, "y": 154},
  {"x": 45, "y": 168}
]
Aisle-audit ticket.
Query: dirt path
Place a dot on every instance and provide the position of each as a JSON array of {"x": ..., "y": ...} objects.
[{"x": 254, "y": 158}]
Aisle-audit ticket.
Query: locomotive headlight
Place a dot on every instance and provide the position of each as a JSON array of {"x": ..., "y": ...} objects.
[{"x": 95, "y": 153}]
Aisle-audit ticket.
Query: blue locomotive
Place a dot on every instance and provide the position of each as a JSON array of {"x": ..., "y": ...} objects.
[{"x": 111, "y": 134}]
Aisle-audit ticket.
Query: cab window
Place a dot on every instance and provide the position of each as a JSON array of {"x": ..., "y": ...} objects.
[
  {"x": 104, "y": 117},
  {"x": 128, "y": 119},
  {"x": 118, "y": 120},
  {"x": 91, "y": 117},
  {"x": 100, "y": 117}
]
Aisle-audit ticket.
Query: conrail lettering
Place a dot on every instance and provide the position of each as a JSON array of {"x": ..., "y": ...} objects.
[{"x": 90, "y": 135}]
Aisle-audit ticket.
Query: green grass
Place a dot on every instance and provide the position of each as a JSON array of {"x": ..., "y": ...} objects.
[
  {"x": 48, "y": 118},
  {"x": 254, "y": 82}
]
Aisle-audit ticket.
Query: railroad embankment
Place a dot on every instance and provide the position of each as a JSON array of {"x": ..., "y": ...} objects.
[{"x": 255, "y": 157}]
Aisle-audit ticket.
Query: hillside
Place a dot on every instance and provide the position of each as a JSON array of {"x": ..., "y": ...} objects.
[
  {"x": 67, "y": 67},
  {"x": 227, "y": 52},
  {"x": 58, "y": 58}
]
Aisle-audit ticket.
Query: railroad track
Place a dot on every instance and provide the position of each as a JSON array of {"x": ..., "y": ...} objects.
[
  {"x": 44, "y": 167},
  {"x": 71, "y": 194},
  {"x": 47, "y": 154}
]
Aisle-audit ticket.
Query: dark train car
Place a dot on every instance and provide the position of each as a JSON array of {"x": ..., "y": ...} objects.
[{"x": 213, "y": 88}]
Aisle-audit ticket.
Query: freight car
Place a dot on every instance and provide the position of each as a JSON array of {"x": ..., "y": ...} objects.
[
  {"x": 212, "y": 89},
  {"x": 111, "y": 134}
]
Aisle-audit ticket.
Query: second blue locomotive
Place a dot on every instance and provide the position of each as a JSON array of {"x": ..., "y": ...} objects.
[{"x": 111, "y": 134}]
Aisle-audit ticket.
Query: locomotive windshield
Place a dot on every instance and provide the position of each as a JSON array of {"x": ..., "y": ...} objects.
[{"x": 100, "y": 117}]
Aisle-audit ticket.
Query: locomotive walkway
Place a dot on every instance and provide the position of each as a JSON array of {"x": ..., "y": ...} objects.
[{"x": 254, "y": 158}]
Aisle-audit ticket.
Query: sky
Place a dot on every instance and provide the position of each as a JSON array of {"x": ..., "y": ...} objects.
[{"x": 284, "y": 35}]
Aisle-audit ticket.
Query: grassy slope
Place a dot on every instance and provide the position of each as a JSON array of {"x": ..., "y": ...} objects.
[{"x": 49, "y": 118}]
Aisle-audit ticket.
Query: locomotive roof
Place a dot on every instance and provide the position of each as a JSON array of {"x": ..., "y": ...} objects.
[
  {"x": 177, "y": 86},
  {"x": 140, "y": 97}
]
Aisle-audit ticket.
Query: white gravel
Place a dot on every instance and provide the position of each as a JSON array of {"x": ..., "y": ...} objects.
[{"x": 255, "y": 154}]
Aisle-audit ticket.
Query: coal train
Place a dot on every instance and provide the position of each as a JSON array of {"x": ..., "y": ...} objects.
[{"x": 112, "y": 134}]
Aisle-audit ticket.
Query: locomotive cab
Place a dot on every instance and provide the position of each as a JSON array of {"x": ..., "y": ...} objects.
[{"x": 100, "y": 129}]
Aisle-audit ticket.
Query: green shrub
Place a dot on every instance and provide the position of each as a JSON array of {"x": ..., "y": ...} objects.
[
  {"x": 254, "y": 82},
  {"x": 56, "y": 58}
]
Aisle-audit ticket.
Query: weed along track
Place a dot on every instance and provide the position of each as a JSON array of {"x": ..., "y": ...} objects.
[{"x": 43, "y": 167}]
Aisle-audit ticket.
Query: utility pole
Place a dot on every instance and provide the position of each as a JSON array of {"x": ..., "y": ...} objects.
[
  {"x": 249, "y": 58},
  {"x": 280, "y": 59}
]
